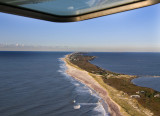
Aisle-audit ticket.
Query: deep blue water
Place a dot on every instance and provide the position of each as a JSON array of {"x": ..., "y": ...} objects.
[
  {"x": 145, "y": 65},
  {"x": 151, "y": 82},
  {"x": 129, "y": 63},
  {"x": 35, "y": 84}
]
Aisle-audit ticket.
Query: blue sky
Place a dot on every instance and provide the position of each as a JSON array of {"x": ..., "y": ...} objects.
[{"x": 137, "y": 30}]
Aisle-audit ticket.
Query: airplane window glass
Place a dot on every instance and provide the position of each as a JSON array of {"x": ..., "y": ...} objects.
[{"x": 69, "y": 7}]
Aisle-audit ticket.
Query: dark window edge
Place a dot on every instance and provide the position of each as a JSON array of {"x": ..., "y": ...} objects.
[{"x": 54, "y": 18}]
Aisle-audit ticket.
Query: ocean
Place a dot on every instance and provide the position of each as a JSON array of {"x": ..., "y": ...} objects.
[
  {"x": 35, "y": 84},
  {"x": 143, "y": 64}
]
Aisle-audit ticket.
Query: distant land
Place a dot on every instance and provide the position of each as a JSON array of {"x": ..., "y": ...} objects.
[{"x": 128, "y": 99}]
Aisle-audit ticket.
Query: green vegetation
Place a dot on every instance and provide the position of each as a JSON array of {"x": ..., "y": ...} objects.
[{"x": 145, "y": 97}]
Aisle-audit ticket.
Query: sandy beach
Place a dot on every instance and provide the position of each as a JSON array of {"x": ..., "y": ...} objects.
[{"x": 88, "y": 80}]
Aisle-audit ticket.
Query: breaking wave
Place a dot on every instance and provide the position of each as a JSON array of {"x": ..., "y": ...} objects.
[{"x": 81, "y": 90}]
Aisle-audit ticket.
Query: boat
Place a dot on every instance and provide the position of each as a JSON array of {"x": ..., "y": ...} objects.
[{"x": 77, "y": 107}]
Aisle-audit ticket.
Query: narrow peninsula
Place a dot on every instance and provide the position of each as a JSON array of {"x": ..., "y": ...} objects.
[{"x": 122, "y": 96}]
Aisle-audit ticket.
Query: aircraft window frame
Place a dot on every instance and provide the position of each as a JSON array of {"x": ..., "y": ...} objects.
[{"x": 56, "y": 18}]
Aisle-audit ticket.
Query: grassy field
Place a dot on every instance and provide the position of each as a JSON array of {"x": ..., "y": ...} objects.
[{"x": 134, "y": 100}]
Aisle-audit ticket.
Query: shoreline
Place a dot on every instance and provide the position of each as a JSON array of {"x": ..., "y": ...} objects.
[
  {"x": 117, "y": 90},
  {"x": 85, "y": 78}
]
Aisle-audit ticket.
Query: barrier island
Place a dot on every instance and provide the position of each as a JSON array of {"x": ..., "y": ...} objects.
[{"x": 122, "y": 96}]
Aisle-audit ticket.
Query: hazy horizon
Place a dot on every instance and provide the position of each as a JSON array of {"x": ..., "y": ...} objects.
[{"x": 132, "y": 31}]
